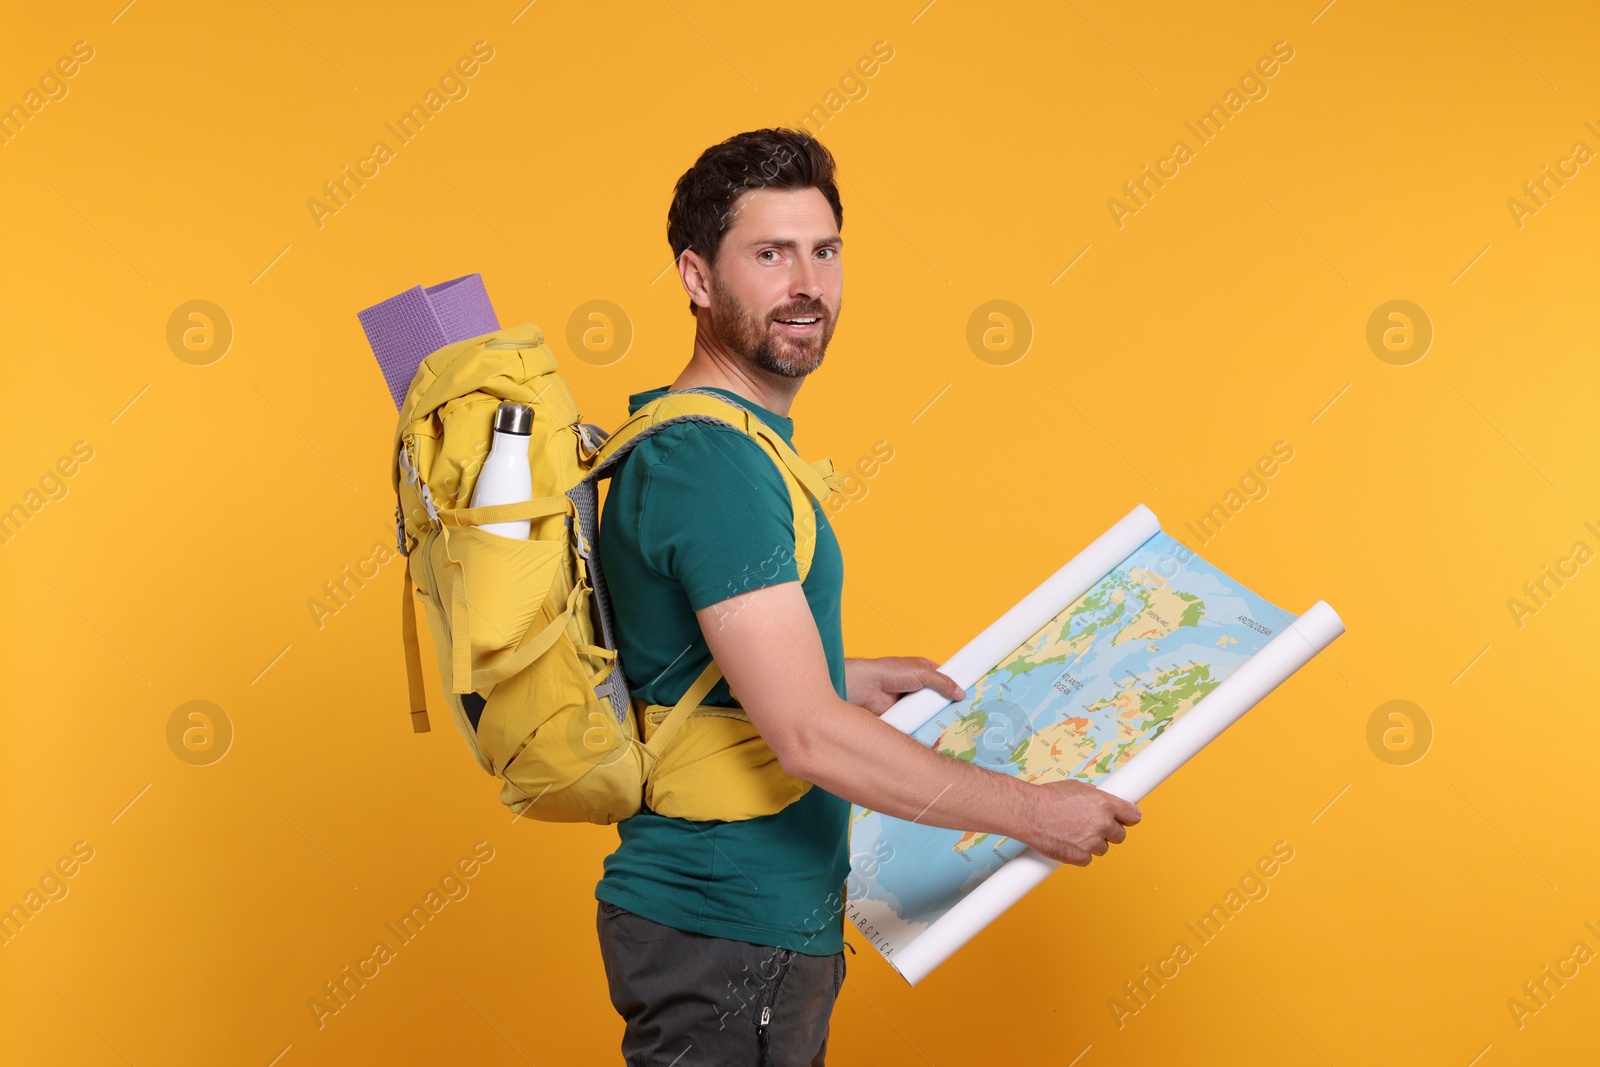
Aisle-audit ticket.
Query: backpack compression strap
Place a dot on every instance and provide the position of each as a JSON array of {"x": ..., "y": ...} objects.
[{"x": 408, "y": 636}]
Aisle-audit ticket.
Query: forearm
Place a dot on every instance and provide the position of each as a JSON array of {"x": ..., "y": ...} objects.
[{"x": 853, "y": 754}]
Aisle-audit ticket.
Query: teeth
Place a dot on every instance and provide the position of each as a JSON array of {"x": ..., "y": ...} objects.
[{"x": 798, "y": 322}]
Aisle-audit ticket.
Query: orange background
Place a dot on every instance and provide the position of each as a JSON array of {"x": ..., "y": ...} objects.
[{"x": 1229, "y": 313}]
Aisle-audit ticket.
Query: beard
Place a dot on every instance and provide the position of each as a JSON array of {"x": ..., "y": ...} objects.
[{"x": 758, "y": 339}]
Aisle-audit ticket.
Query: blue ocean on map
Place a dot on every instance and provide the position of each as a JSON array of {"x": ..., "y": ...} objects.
[{"x": 1079, "y": 698}]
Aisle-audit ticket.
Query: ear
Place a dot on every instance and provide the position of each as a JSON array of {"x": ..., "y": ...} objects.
[{"x": 696, "y": 277}]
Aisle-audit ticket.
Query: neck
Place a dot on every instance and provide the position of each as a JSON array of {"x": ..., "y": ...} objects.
[{"x": 713, "y": 364}]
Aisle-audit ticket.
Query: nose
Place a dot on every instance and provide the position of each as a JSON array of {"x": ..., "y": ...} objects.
[{"x": 806, "y": 281}]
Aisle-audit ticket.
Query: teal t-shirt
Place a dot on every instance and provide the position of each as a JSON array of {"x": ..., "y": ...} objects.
[{"x": 694, "y": 514}]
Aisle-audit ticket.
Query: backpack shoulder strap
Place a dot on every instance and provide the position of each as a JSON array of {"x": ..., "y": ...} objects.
[
  {"x": 702, "y": 405},
  {"x": 804, "y": 480}
]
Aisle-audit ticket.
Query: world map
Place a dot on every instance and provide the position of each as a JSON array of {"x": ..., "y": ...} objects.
[{"x": 1079, "y": 698}]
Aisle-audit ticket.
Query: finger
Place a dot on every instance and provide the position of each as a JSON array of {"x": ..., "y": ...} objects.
[
  {"x": 924, "y": 678},
  {"x": 947, "y": 685},
  {"x": 1128, "y": 813}
]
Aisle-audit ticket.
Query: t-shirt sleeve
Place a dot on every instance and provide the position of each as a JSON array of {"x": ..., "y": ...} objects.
[{"x": 715, "y": 515}]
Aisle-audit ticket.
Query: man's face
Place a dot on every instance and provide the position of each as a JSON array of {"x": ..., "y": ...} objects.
[{"x": 779, "y": 261}]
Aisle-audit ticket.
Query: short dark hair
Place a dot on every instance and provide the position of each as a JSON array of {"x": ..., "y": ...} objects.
[{"x": 703, "y": 202}]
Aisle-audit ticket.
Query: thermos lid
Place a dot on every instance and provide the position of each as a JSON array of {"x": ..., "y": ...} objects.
[{"x": 512, "y": 417}]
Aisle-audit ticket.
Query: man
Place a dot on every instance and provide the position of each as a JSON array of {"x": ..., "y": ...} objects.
[{"x": 723, "y": 941}]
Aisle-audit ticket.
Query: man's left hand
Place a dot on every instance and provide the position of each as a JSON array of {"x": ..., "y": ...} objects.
[{"x": 875, "y": 684}]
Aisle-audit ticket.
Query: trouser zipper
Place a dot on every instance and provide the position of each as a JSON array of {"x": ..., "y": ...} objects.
[{"x": 785, "y": 956}]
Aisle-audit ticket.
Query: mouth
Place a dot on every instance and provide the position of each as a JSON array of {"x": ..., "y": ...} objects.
[{"x": 800, "y": 325}]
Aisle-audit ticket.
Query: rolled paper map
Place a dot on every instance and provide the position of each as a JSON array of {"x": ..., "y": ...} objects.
[{"x": 935, "y": 906}]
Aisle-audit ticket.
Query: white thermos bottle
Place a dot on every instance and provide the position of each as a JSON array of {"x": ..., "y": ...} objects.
[{"x": 506, "y": 478}]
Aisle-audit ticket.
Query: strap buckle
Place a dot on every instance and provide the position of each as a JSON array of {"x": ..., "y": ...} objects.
[
  {"x": 413, "y": 477},
  {"x": 408, "y": 468},
  {"x": 590, "y": 437}
]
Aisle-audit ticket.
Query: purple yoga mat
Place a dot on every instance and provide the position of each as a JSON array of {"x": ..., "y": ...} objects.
[{"x": 407, "y": 328}]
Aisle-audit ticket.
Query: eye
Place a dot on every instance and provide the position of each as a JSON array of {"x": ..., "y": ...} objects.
[
  {"x": 764, "y": 251},
  {"x": 833, "y": 252}
]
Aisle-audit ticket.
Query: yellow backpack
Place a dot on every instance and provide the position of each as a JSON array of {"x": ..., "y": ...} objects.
[{"x": 523, "y": 631}]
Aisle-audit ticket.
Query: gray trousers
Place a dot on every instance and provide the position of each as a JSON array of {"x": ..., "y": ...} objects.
[{"x": 691, "y": 1000}]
